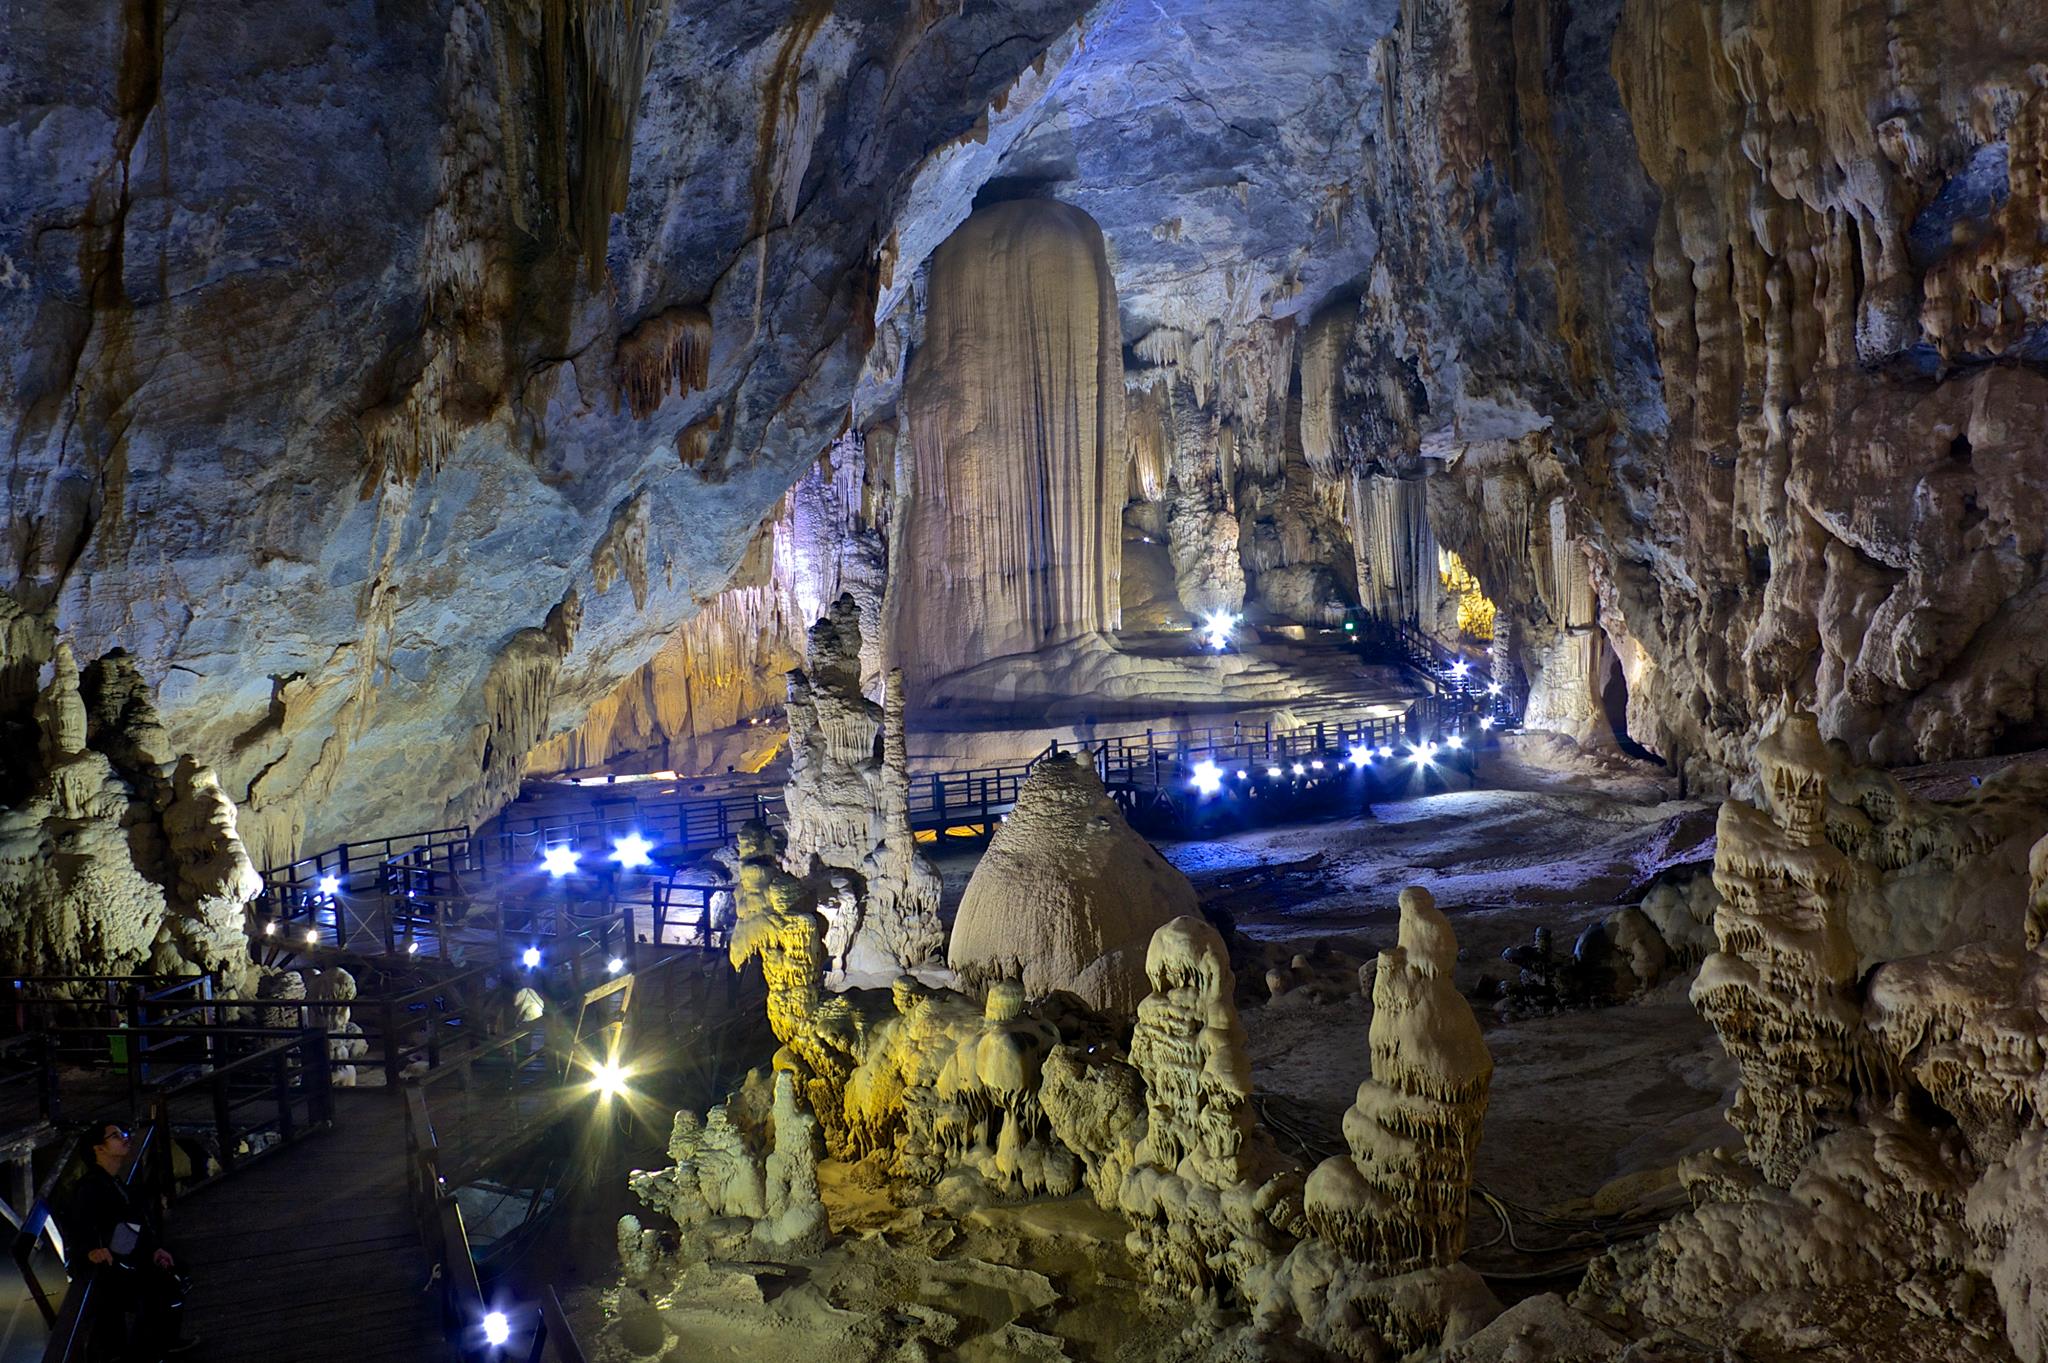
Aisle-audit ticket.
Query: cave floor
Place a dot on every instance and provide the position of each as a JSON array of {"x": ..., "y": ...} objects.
[{"x": 1592, "y": 1105}]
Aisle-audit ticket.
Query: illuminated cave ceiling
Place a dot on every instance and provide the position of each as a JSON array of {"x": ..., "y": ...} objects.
[{"x": 316, "y": 407}]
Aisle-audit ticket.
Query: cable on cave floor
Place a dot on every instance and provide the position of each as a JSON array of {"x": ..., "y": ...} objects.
[{"x": 1580, "y": 1238}]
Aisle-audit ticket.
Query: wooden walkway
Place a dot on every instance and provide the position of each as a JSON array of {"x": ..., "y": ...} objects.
[{"x": 311, "y": 1256}]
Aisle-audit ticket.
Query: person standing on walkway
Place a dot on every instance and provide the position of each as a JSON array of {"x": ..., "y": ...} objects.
[{"x": 122, "y": 1236}]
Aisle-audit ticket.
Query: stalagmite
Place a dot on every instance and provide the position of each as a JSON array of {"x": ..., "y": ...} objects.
[
  {"x": 848, "y": 806},
  {"x": 1780, "y": 989},
  {"x": 1212, "y": 1205},
  {"x": 1067, "y": 895},
  {"x": 1398, "y": 1201},
  {"x": 822, "y": 1036},
  {"x": 1015, "y": 414},
  {"x": 121, "y": 859}
]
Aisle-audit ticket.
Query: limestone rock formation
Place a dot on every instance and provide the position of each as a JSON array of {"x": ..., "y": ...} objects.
[
  {"x": 1014, "y": 406},
  {"x": 1067, "y": 896},
  {"x": 516, "y": 207},
  {"x": 1212, "y": 1204},
  {"x": 119, "y": 860},
  {"x": 848, "y": 805},
  {"x": 1780, "y": 991},
  {"x": 1397, "y": 1202},
  {"x": 731, "y": 1171},
  {"x": 777, "y": 923}
]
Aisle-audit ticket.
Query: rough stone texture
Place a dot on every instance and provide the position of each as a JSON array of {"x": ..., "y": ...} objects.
[
  {"x": 117, "y": 859},
  {"x": 1012, "y": 535},
  {"x": 1067, "y": 896},
  {"x": 1397, "y": 1201},
  {"x": 848, "y": 804}
]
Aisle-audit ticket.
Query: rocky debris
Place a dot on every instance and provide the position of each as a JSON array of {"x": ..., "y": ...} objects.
[{"x": 1067, "y": 896}]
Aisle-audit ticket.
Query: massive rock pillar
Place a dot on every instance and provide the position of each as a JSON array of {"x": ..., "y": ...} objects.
[{"x": 1015, "y": 408}]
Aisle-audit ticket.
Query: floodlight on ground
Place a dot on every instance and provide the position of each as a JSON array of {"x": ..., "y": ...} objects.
[
  {"x": 1316, "y": 765},
  {"x": 1272, "y": 773},
  {"x": 1300, "y": 770},
  {"x": 1208, "y": 777},
  {"x": 614, "y": 966},
  {"x": 330, "y": 885},
  {"x": 608, "y": 1078},
  {"x": 631, "y": 852},
  {"x": 530, "y": 958},
  {"x": 1361, "y": 756},
  {"x": 1455, "y": 742},
  {"x": 1423, "y": 755},
  {"x": 560, "y": 861},
  {"x": 1216, "y": 629},
  {"x": 497, "y": 1329},
  {"x": 1241, "y": 774}
]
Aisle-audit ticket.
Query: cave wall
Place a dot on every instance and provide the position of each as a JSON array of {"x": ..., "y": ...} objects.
[
  {"x": 348, "y": 332},
  {"x": 399, "y": 382},
  {"x": 1736, "y": 309}
]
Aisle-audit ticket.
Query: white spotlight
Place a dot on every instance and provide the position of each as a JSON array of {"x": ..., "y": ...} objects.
[
  {"x": 631, "y": 852},
  {"x": 1493, "y": 688},
  {"x": 560, "y": 861},
  {"x": 1386, "y": 751},
  {"x": 497, "y": 1329},
  {"x": 1208, "y": 777},
  {"x": 330, "y": 885},
  {"x": 1460, "y": 668},
  {"x": 1241, "y": 775},
  {"x": 1317, "y": 764},
  {"x": 608, "y": 1078},
  {"x": 270, "y": 928},
  {"x": 1454, "y": 742},
  {"x": 1272, "y": 773},
  {"x": 530, "y": 957},
  {"x": 614, "y": 966},
  {"x": 412, "y": 948},
  {"x": 312, "y": 937},
  {"x": 1300, "y": 770},
  {"x": 1486, "y": 721},
  {"x": 1361, "y": 756},
  {"x": 1216, "y": 629}
]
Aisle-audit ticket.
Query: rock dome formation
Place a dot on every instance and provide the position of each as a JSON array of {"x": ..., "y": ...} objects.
[{"x": 1067, "y": 897}]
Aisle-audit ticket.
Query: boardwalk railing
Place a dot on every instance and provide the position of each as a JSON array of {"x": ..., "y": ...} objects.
[{"x": 431, "y": 885}]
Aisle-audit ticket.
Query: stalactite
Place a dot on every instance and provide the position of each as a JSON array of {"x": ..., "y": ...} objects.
[
  {"x": 1397, "y": 567},
  {"x": 615, "y": 41},
  {"x": 518, "y": 699},
  {"x": 1145, "y": 430},
  {"x": 1322, "y": 375},
  {"x": 622, "y": 550},
  {"x": 668, "y": 352}
]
